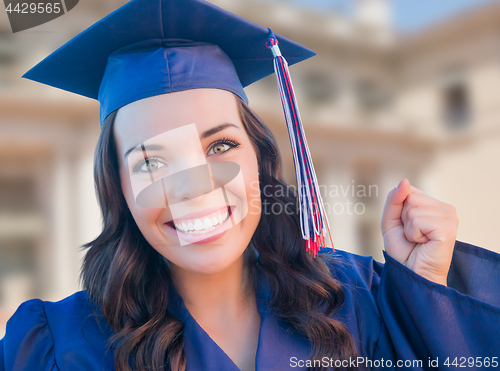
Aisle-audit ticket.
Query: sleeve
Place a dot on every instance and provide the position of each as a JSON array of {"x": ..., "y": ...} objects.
[
  {"x": 2, "y": 360},
  {"x": 448, "y": 327},
  {"x": 28, "y": 344}
]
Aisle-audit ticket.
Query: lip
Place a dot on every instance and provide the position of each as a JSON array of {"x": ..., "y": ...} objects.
[
  {"x": 206, "y": 237},
  {"x": 199, "y": 214}
]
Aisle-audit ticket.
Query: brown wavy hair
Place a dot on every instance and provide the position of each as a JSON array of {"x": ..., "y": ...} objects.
[{"x": 128, "y": 279}]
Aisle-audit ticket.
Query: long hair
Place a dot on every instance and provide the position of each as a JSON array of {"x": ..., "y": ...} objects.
[{"x": 128, "y": 279}]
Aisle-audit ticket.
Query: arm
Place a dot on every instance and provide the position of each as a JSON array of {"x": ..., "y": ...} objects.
[
  {"x": 475, "y": 272},
  {"x": 429, "y": 321},
  {"x": 2, "y": 360},
  {"x": 28, "y": 344}
]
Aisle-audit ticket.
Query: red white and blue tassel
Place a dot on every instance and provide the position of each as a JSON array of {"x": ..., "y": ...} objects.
[{"x": 313, "y": 220}]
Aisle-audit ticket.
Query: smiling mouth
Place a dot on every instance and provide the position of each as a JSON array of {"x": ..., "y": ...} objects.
[{"x": 201, "y": 225}]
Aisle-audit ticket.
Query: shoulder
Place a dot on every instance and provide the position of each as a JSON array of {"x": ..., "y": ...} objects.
[
  {"x": 361, "y": 271},
  {"x": 41, "y": 335},
  {"x": 28, "y": 325},
  {"x": 38, "y": 308},
  {"x": 28, "y": 343},
  {"x": 36, "y": 314},
  {"x": 67, "y": 310},
  {"x": 360, "y": 280}
]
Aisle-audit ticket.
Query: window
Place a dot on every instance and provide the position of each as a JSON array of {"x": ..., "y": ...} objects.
[
  {"x": 319, "y": 88},
  {"x": 371, "y": 96},
  {"x": 456, "y": 100}
]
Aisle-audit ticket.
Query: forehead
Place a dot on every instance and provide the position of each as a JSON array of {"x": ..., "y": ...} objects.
[{"x": 149, "y": 117}]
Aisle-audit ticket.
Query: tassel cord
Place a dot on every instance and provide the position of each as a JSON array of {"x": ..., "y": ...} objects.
[{"x": 313, "y": 218}]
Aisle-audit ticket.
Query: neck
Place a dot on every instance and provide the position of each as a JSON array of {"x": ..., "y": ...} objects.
[{"x": 224, "y": 294}]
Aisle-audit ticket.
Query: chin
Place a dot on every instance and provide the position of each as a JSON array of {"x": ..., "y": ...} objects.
[{"x": 208, "y": 258}]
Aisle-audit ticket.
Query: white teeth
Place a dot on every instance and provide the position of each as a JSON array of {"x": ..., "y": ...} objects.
[
  {"x": 214, "y": 220},
  {"x": 198, "y": 225},
  {"x": 203, "y": 225},
  {"x": 207, "y": 223}
]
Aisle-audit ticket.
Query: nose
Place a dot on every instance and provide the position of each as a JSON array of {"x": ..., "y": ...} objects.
[
  {"x": 191, "y": 183},
  {"x": 188, "y": 184}
]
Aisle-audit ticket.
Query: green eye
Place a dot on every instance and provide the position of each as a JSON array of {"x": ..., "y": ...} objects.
[
  {"x": 220, "y": 148},
  {"x": 223, "y": 146},
  {"x": 152, "y": 164}
]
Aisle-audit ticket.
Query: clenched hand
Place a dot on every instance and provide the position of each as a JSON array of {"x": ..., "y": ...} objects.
[{"x": 419, "y": 231}]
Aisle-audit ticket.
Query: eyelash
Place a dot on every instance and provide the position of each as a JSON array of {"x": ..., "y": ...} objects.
[
  {"x": 137, "y": 167},
  {"x": 230, "y": 142}
]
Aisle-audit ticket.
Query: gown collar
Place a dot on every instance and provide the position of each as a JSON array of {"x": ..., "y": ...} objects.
[{"x": 277, "y": 342}]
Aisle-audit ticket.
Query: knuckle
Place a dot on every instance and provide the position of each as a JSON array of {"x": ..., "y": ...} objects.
[
  {"x": 411, "y": 227},
  {"x": 412, "y": 213},
  {"x": 412, "y": 200},
  {"x": 454, "y": 219},
  {"x": 450, "y": 208},
  {"x": 450, "y": 229},
  {"x": 416, "y": 219}
]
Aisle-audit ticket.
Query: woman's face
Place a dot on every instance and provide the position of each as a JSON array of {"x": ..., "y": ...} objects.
[{"x": 219, "y": 138}]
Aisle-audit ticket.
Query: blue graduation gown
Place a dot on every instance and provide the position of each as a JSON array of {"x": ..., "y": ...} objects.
[{"x": 393, "y": 314}]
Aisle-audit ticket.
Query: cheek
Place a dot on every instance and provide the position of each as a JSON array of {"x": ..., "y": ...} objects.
[
  {"x": 252, "y": 187},
  {"x": 145, "y": 218},
  {"x": 254, "y": 200}
]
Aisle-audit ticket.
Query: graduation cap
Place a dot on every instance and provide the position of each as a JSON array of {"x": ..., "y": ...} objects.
[{"x": 152, "y": 47}]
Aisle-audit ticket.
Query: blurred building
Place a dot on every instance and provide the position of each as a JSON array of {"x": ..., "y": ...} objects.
[{"x": 377, "y": 106}]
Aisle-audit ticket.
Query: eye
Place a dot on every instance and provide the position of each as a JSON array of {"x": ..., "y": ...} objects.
[
  {"x": 152, "y": 164},
  {"x": 222, "y": 146}
]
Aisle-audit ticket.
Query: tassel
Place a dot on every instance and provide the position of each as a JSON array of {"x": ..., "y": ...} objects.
[{"x": 313, "y": 219}]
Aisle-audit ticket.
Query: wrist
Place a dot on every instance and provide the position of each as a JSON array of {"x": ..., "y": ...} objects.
[{"x": 439, "y": 279}]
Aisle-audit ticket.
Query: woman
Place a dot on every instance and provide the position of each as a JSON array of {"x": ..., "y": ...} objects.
[{"x": 191, "y": 273}]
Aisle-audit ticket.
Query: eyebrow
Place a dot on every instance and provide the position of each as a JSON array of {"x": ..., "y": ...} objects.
[
  {"x": 216, "y": 129},
  {"x": 205, "y": 134},
  {"x": 139, "y": 148}
]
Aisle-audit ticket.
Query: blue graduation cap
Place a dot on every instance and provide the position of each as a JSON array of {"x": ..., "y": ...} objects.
[{"x": 152, "y": 47}]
